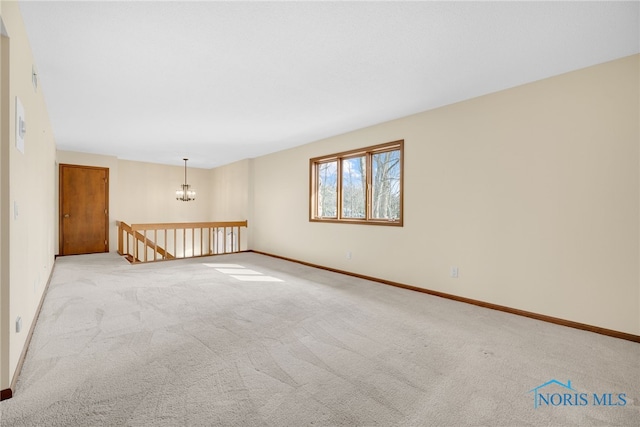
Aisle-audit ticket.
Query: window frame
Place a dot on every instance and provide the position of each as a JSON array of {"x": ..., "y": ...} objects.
[{"x": 368, "y": 153}]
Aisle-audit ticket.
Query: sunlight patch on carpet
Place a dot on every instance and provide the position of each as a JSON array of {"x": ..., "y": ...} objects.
[
  {"x": 257, "y": 278},
  {"x": 237, "y": 271},
  {"x": 214, "y": 265}
]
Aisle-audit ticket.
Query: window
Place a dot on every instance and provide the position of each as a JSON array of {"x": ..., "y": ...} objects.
[{"x": 359, "y": 186}]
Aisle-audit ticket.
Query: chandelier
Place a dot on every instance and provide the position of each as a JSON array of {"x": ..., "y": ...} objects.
[{"x": 185, "y": 193}]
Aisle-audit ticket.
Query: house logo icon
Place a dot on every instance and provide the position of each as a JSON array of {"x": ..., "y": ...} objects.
[{"x": 546, "y": 398}]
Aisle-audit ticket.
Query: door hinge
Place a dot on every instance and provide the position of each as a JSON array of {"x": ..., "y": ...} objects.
[
  {"x": 105, "y": 211},
  {"x": 105, "y": 243}
]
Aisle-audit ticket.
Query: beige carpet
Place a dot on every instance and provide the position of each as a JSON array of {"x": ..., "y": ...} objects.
[{"x": 249, "y": 340}]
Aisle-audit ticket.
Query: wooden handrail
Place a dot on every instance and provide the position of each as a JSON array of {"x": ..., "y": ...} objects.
[
  {"x": 213, "y": 238},
  {"x": 188, "y": 225}
]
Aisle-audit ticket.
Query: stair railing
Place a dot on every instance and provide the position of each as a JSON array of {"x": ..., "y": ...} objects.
[{"x": 164, "y": 241}]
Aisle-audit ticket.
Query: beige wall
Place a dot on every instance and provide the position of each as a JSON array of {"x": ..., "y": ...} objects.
[
  {"x": 230, "y": 191},
  {"x": 147, "y": 193},
  {"x": 5, "y": 377},
  {"x": 28, "y": 186},
  {"x": 532, "y": 192}
]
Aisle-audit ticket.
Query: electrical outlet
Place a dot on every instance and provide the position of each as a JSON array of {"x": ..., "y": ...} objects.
[
  {"x": 348, "y": 254},
  {"x": 454, "y": 272},
  {"x": 18, "y": 324}
]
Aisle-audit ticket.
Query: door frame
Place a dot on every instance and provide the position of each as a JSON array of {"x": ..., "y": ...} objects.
[{"x": 61, "y": 166}]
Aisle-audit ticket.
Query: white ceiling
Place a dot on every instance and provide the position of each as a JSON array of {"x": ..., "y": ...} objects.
[{"x": 218, "y": 82}]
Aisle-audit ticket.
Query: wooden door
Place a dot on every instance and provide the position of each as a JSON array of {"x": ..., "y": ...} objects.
[{"x": 84, "y": 209}]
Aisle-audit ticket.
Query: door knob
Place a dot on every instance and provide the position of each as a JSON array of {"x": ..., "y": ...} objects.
[{"x": 66, "y": 215}]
